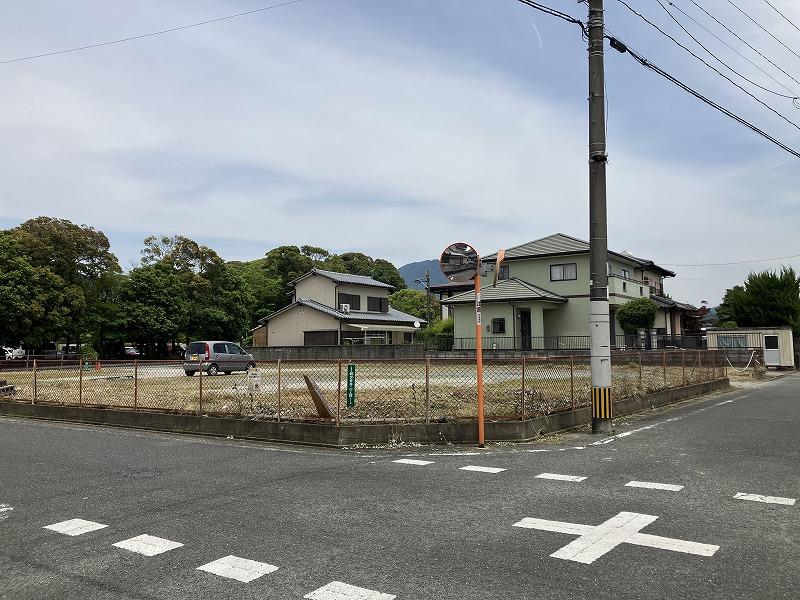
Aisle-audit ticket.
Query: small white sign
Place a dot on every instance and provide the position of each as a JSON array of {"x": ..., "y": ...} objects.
[{"x": 254, "y": 380}]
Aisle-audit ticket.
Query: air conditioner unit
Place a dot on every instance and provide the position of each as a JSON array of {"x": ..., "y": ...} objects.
[{"x": 345, "y": 308}]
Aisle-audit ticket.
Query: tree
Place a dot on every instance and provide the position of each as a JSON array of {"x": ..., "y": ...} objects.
[
  {"x": 31, "y": 297},
  {"x": 386, "y": 272},
  {"x": 414, "y": 302},
  {"x": 81, "y": 256},
  {"x": 767, "y": 299},
  {"x": 637, "y": 314}
]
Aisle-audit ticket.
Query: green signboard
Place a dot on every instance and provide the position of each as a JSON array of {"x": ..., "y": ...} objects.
[{"x": 351, "y": 386}]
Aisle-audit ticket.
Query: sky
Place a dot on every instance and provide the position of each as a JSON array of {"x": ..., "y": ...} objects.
[{"x": 394, "y": 128}]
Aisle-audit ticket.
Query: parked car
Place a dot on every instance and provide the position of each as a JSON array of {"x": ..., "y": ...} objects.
[
  {"x": 9, "y": 353},
  {"x": 131, "y": 352},
  {"x": 216, "y": 356}
]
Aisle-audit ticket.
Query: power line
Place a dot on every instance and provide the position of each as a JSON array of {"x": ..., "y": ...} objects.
[
  {"x": 671, "y": 16},
  {"x": 738, "y": 262},
  {"x": 556, "y": 13},
  {"x": 719, "y": 39},
  {"x": 788, "y": 20},
  {"x": 710, "y": 66},
  {"x": 622, "y": 47},
  {"x": 147, "y": 35},
  {"x": 764, "y": 29},
  {"x": 745, "y": 42}
]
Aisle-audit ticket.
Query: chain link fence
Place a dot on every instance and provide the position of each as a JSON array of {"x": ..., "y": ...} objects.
[{"x": 344, "y": 391}]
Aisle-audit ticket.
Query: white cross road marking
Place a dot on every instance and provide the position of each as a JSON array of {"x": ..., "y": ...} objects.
[
  {"x": 5, "y": 510},
  {"x": 559, "y": 477},
  {"x": 655, "y": 486},
  {"x": 538, "y": 450},
  {"x": 597, "y": 540},
  {"x": 765, "y": 499},
  {"x": 336, "y": 590},
  {"x": 240, "y": 569},
  {"x": 481, "y": 469},
  {"x": 411, "y": 461},
  {"x": 75, "y": 527},
  {"x": 148, "y": 545}
]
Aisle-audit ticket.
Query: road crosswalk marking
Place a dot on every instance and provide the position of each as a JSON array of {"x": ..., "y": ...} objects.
[
  {"x": 559, "y": 477},
  {"x": 765, "y": 499},
  {"x": 75, "y": 527},
  {"x": 597, "y": 540},
  {"x": 411, "y": 461},
  {"x": 481, "y": 469},
  {"x": 655, "y": 486},
  {"x": 5, "y": 510},
  {"x": 336, "y": 590},
  {"x": 149, "y": 545},
  {"x": 240, "y": 569}
]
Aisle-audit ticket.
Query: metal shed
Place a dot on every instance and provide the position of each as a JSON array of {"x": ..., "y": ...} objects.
[{"x": 777, "y": 343}]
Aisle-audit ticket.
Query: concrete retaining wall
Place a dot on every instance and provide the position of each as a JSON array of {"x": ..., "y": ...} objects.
[{"x": 323, "y": 434}]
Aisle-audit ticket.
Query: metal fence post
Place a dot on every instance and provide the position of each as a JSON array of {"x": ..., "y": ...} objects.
[
  {"x": 700, "y": 364},
  {"x": 640, "y": 370},
  {"x": 713, "y": 365},
  {"x": 35, "y": 390},
  {"x": 427, "y": 390},
  {"x": 572, "y": 380},
  {"x": 279, "y": 390},
  {"x": 135, "y": 384},
  {"x": 339, "y": 394},
  {"x": 523, "y": 386},
  {"x": 80, "y": 383},
  {"x": 664, "y": 366},
  {"x": 683, "y": 366},
  {"x": 200, "y": 404}
]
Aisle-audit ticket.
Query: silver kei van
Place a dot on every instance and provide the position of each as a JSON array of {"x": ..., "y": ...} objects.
[{"x": 216, "y": 356}]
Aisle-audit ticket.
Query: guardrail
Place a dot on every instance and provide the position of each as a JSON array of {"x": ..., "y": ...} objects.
[{"x": 411, "y": 390}]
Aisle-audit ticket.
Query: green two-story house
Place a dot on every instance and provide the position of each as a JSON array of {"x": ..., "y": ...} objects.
[{"x": 541, "y": 300}]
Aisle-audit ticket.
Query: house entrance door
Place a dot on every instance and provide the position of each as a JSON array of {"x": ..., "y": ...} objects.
[
  {"x": 525, "y": 329},
  {"x": 772, "y": 352}
]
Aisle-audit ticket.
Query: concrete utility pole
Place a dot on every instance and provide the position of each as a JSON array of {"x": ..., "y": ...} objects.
[
  {"x": 427, "y": 283},
  {"x": 599, "y": 323}
]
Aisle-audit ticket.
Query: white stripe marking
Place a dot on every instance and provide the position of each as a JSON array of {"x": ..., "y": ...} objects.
[
  {"x": 559, "y": 477},
  {"x": 596, "y": 541},
  {"x": 538, "y": 450},
  {"x": 654, "y": 486},
  {"x": 627, "y": 433},
  {"x": 336, "y": 590},
  {"x": 5, "y": 510},
  {"x": 765, "y": 499},
  {"x": 725, "y": 402},
  {"x": 411, "y": 461},
  {"x": 148, "y": 545},
  {"x": 482, "y": 469},
  {"x": 75, "y": 527},
  {"x": 240, "y": 569}
]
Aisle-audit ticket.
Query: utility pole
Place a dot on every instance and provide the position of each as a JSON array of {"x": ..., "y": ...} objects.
[
  {"x": 427, "y": 283},
  {"x": 599, "y": 322}
]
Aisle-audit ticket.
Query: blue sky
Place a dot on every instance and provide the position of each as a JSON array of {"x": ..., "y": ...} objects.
[{"x": 391, "y": 128}]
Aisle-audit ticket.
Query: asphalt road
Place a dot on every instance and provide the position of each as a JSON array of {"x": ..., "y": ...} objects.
[{"x": 414, "y": 531}]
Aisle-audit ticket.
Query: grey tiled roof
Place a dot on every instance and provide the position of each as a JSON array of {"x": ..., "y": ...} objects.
[
  {"x": 558, "y": 243},
  {"x": 346, "y": 278},
  {"x": 393, "y": 316},
  {"x": 507, "y": 290}
]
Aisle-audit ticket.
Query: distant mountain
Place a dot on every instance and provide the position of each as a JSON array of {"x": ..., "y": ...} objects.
[{"x": 416, "y": 270}]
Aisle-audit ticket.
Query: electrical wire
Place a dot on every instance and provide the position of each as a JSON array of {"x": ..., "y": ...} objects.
[
  {"x": 738, "y": 262},
  {"x": 745, "y": 42},
  {"x": 788, "y": 20},
  {"x": 764, "y": 29},
  {"x": 719, "y": 39},
  {"x": 658, "y": 70},
  {"x": 557, "y": 13},
  {"x": 713, "y": 68},
  {"x": 699, "y": 43},
  {"x": 147, "y": 35}
]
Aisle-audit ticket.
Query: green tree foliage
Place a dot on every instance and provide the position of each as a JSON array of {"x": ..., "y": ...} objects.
[
  {"x": 637, "y": 314},
  {"x": 82, "y": 258},
  {"x": 386, "y": 272},
  {"x": 414, "y": 302},
  {"x": 154, "y": 302},
  {"x": 767, "y": 299},
  {"x": 31, "y": 298}
]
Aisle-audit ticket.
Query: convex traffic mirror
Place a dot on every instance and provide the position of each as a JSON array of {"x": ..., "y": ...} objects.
[{"x": 459, "y": 262}]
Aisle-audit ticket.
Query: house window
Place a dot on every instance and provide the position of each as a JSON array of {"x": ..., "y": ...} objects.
[
  {"x": 565, "y": 272},
  {"x": 626, "y": 274},
  {"x": 352, "y": 299},
  {"x": 641, "y": 291},
  {"x": 503, "y": 274},
  {"x": 498, "y": 325},
  {"x": 624, "y": 286},
  {"x": 377, "y": 304}
]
